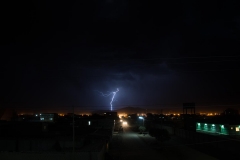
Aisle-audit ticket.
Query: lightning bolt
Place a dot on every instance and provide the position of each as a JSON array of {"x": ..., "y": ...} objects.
[{"x": 113, "y": 96}]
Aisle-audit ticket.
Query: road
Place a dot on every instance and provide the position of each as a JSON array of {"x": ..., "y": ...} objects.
[{"x": 131, "y": 145}]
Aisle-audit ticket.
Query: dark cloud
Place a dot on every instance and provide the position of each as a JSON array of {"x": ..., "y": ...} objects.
[{"x": 168, "y": 52}]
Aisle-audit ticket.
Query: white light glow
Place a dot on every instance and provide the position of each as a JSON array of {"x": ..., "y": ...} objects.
[{"x": 113, "y": 95}]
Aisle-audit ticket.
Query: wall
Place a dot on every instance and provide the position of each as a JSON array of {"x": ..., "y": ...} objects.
[
  {"x": 218, "y": 128},
  {"x": 21, "y": 144},
  {"x": 220, "y": 146}
]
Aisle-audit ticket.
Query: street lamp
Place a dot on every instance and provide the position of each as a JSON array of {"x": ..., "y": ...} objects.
[{"x": 142, "y": 119}]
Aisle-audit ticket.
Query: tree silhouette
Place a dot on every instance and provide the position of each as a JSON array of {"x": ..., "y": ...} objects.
[{"x": 160, "y": 134}]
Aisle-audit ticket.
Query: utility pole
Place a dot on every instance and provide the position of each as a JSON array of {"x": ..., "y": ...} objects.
[
  {"x": 73, "y": 133},
  {"x": 161, "y": 118}
]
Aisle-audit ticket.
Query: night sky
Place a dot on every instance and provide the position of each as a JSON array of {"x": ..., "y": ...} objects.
[{"x": 58, "y": 53}]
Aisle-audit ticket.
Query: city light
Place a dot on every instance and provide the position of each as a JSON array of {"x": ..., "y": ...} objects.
[
  {"x": 125, "y": 123},
  {"x": 142, "y": 119}
]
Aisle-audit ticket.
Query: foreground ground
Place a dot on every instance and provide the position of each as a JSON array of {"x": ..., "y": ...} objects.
[{"x": 131, "y": 145}]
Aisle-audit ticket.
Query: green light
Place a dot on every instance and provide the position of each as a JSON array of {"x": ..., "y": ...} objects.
[
  {"x": 213, "y": 125},
  {"x": 205, "y": 124},
  {"x": 222, "y": 126},
  {"x": 199, "y": 124}
]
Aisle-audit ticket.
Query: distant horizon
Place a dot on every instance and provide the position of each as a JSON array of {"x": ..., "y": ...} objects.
[{"x": 90, "y": 110}]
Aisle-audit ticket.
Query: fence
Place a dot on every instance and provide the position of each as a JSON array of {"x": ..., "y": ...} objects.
[{"x": 51, "y": 156}]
